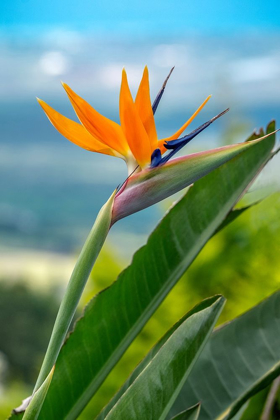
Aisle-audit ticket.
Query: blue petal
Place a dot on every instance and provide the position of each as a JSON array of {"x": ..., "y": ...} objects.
[
  {"x": 156, "y": 158},
  {"x": 176, "y": 145},
  {"x": 159, "y": 95}
]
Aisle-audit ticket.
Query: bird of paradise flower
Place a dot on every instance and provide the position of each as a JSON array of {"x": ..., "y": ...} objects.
[
  {"x": 135, "y": 139},
  {"x": 152, "y": 177}
]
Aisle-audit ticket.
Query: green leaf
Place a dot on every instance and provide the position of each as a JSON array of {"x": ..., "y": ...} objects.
[
  {"x": 232, "y": 216},
  {"x": 265, "y": 404},
  {"x": 191, "y": 414},
  {"x": 114, "y": 317},
  {"x": 142, "y": 365},
  {"x": 256, "y": 135},
  {"x": 270, "y": 128},
  {"x": 239, "y": 415},
  {"x": 154, "y": 391},
  {"x": 254, "y": 406},
  {"x": 240, "y": 359},
  {"x": 33, "y": 409}
]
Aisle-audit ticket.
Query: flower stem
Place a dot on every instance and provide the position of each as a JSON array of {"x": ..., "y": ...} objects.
[{"x": 76, "y": 286}]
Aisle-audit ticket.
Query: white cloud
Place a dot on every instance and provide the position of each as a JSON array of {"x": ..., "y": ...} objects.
[
  {"x": 110, "y": 75},
  {"x": 61, "y": 39},
  {"x": 168, "y": 55},
  {"x": 255, "y": 69},
  {"x": 234, "y": 72},
  {"x": 54, "y": 63}
]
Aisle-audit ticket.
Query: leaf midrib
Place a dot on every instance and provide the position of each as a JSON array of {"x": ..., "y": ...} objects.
[{"x": 145, "y": 316}]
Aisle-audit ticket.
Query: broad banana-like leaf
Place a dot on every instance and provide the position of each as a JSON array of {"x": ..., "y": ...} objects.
[
  {"x": 239, "y": 415},
  {"x": 231, "y": 217},
  {"x": 257, "y": 134},
  {"x": 254, "y": 406},
  {"x": 191, "y": 414},
  {"x": 241, "y": 358},
  {"x": 105, "y": 331},
  {"x": 264, "y": 405},
  {"x": 249, "y": 198},
  {"x": 154, "y": 391},
  {"x": 114, "y": 317},
  {"x": 142, "y": 365}
]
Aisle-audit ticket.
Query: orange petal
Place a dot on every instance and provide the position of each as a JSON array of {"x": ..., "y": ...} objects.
[
  {"x": 144, "y": 107},
  {"x": 105, "y": 130},
  {"x": 180, "y": 131},
  {"x": 133, "y": 127},
  {"x": 75, "y": 132}
]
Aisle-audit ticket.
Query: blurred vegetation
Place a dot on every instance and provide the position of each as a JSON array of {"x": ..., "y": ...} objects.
[
  {"x": 241, "y": 262},
  {"x": 24, "y": 336}
]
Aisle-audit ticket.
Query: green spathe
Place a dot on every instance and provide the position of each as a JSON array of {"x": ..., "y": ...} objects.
[{"x": 150, "y": 186}]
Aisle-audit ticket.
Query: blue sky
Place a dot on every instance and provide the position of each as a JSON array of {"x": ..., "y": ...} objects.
[
  {"x": 229, "y": 49},
  {"x": 141, "y": 17}
]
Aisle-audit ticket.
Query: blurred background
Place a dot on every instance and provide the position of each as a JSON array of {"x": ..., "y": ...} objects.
[{"x": 51, "y": 190}]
